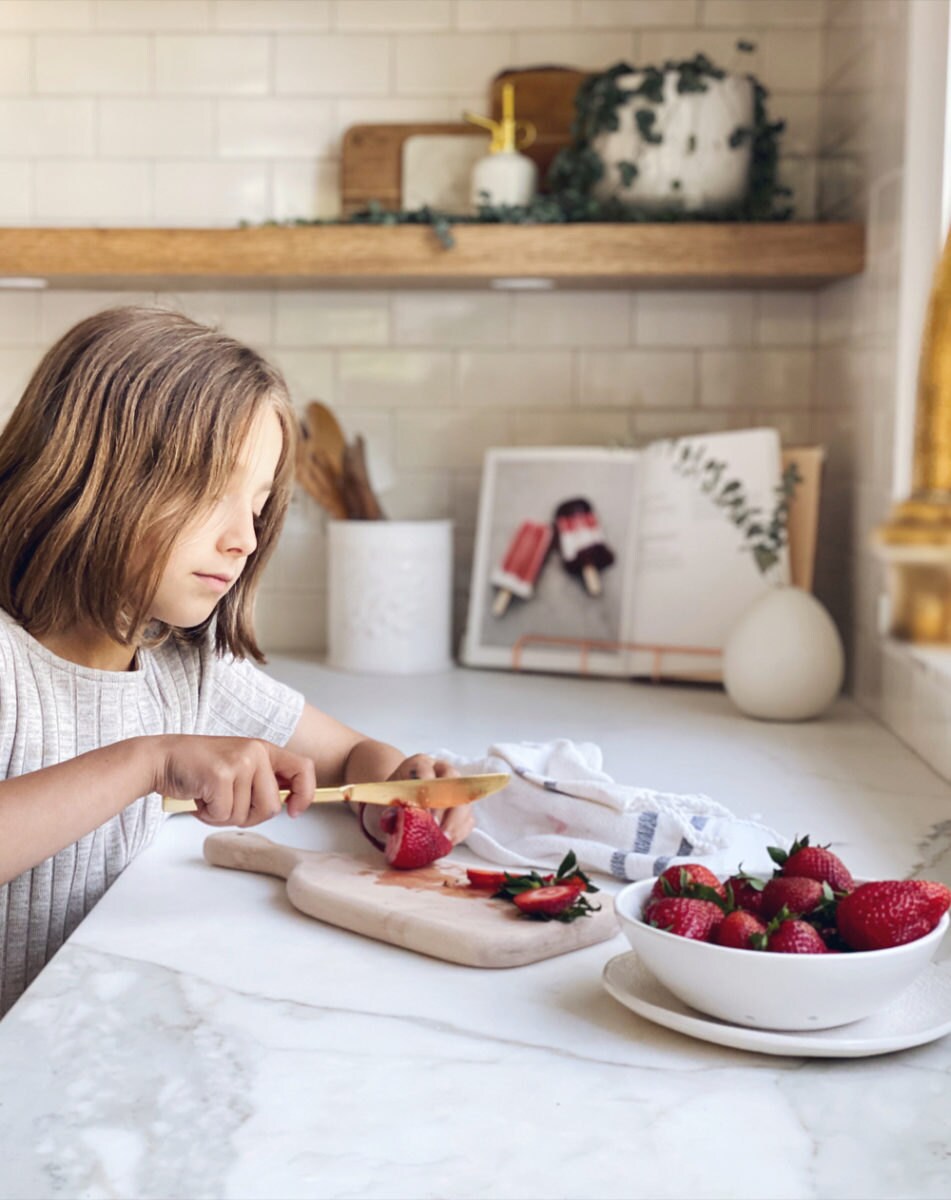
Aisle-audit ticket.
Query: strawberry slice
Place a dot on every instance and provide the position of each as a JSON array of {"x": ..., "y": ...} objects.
[
  {"x": 547, "y": 901},
  {"x": 488, "y": 881},
  {"x": 413, "y": 839}
]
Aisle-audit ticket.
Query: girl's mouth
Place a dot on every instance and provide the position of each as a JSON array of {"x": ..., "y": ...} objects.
[{"x": 217, "y": 583}]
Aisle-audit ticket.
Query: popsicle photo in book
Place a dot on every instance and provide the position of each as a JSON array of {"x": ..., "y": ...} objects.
[{"x": 615, "y": 561}]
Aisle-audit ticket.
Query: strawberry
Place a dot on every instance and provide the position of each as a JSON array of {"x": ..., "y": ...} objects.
[
  {"x": 413, "y": 839},
  {"x": 488, "y": 881},
  {"x": 685, "y": 916},
  {"x": 737, "y": 930},
  {"x": 546, "y": 902},
  {"x": 794, "y": 937},
  {"x": 746, "y": 890},
  {"x": 686, "y": 881},
  {"x": 813, "y": 862},
  {"x": 799, "y": 895},
  {"x": 891, "y": 913}
]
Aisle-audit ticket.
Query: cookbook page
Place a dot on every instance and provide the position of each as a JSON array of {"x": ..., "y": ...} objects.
[{"x": 709, "y": 542}]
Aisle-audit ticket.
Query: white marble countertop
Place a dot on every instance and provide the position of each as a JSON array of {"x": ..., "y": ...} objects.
[{"x": 198, "y": 1037}]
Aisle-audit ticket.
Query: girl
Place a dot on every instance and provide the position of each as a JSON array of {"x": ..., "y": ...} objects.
[{"x": 144, "y": 478}]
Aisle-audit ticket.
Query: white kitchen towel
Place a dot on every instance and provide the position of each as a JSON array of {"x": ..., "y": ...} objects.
[{"x": 560, "y": 799}]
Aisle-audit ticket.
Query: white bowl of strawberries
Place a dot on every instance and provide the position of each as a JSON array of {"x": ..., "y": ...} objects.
[{"x": 809, "y": 948}]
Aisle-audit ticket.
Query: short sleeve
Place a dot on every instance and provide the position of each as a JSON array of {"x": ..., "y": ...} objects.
[{"x": 245, "y": 702}]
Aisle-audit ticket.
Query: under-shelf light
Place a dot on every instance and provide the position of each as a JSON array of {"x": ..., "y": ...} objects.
[
  {"x": 23, "y": 283},
  {"x": 523, "y": 283}
]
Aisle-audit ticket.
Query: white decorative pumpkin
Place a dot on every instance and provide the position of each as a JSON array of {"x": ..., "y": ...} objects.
[
  {"x": 784, "y": 659},
  {"x": 694, "y": 165}
]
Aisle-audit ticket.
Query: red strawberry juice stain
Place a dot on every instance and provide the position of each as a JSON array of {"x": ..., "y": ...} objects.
[{"x": 430, "y": 879}]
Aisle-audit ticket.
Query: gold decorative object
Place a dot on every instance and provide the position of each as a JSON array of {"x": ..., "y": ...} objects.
[{"x": 916, "y": 541}]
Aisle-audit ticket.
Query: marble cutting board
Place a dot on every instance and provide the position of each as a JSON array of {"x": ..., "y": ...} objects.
[{"x": 430, "y": 911}]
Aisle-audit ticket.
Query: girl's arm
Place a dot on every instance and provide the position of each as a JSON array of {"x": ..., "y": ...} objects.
[
  {"x": 233, "y": 780},
  {"x": 342, "y": 755}
]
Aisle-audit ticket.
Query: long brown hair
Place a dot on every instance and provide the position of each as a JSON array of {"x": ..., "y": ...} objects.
[{"x": 130, "y": 426}]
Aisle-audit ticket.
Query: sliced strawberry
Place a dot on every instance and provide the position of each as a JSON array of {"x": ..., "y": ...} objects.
[
  {"x": 547, "y": 901},
  {"x": 488, "y": 881},
  {"x": 413, "y": 839}
]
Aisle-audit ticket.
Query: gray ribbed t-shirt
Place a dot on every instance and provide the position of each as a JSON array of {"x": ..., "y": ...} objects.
[{"x": 52, "y": 710}]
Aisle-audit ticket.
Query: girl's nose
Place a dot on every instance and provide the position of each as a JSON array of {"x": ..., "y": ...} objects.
[{"x": 239, "y": 536}]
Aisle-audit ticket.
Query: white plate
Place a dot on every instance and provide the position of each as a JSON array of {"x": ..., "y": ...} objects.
[{"x": 921, "y": 1014}]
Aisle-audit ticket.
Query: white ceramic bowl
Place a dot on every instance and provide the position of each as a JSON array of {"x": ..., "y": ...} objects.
[{"x": 772, "y": 991}]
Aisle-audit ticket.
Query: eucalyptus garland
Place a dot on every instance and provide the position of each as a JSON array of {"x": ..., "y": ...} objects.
[{"x": 578, "y": 167}]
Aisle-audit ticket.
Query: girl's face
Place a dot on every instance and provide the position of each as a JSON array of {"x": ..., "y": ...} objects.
[{"x": 211, "y": 553}]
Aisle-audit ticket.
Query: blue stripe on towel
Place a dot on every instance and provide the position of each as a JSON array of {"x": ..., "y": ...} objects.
[
  {"x": 617, "y": 864},
  {"x": 661, "y": 864},
  {"x": 646, "y": 828},
  {"x": 684, "y": 848},
  {"x": 699, "y": 822}
]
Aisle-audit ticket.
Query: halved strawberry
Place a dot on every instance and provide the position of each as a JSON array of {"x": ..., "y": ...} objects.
[
  {"x": 488, "y": 881},
  {"x": 413, "y": 839},
  {"x": 547, "y": 901}
]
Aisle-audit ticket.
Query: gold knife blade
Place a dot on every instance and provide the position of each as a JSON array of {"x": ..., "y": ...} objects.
[{"x": 422, "y": 793}]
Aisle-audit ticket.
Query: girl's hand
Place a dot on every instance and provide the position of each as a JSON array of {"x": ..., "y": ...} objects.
[
  {"x": 457, "y": 823},
  {"x": 234, "y": 781}
]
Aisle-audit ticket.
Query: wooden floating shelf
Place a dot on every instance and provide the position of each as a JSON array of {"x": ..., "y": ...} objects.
[{"x": 670, "y": 255}]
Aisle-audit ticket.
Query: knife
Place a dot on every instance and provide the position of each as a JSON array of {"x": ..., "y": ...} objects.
[{"x": 421, "y": 793}]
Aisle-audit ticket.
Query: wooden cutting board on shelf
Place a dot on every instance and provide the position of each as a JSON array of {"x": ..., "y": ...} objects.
[
  {"x": 431, "y": 911},
  {"x": 371, "y": 160},
  {"x": 546, "y": 97}
]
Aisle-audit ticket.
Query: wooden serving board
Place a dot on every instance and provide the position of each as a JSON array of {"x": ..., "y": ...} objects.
[
  {"x": 430, "y": 911},
  {"x": 371, "y": 160},
  {"x": 546, "y": 97}
]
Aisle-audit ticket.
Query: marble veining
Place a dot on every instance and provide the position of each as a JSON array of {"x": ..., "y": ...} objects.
[{"x": 198, "y": 1037}]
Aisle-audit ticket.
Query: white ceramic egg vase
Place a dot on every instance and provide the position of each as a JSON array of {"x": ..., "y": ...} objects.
[{"x": 784, "y": 659}]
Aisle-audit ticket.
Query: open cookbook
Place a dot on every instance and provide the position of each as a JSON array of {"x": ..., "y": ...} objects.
[{"x": 634, "y": 562}]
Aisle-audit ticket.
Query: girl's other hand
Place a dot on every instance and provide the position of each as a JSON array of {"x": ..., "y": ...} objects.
[
  {"x": 234, "y": 781},
  {"x": 457, "y": 823}
]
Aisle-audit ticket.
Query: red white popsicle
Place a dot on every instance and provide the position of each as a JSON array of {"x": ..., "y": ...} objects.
[
  {"x": 521, "y": 565},
  {"x": 581, "y": 543}
]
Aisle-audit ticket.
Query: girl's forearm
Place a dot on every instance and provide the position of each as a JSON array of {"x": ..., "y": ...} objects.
[
  {"x": 370, "y": 760},
  {"x": 46, "y": 810}
]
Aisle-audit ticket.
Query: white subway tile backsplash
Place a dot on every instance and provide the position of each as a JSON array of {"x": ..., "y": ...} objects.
[
  {"x": 214, "y": 64},
  {"x": 332, "y": 318},
  {"x": 637, "y": 13},
  {"x": 449, "y": 63},
  {"x": 16, "y": 192},
  {"x": 15, "y": 68},
  {"x": 658, "y": 45},
  {"x": 573, "y": 318},
  {"x": 19, "y": 318},
  {"x": 305, "y": 188},
  {"x": 47, "y": 128},
  {"x": 419, "y": 495},
  {"x": 514, "y": 14},
  {"x": 637, "y": 378},
  {"x": 649, "y": 424},
  {"x": 133, "y": 127},
  {"x": 690, "y": 319},
  {"x": 151, "y": 15},
  {"x": 571, "y": 428},
  {"x": 270, "y": 127},
  {"x": 93, "y": 63},
  {"x": 17, "y": 364},
  {"x": 310, "y": 374},
  {"x": 360, "y": 110},
  {"x": 760, "y": 379},
  {"x": 785, "y": 319},
  {"x": 593, "y": 50},
  {"x": 60, "y": 311},
  {"x": 449, "y": 440},
  {"x": 331, "y": 65},
  {"x": 271, "y": 15},
  {"x": 22, "y": 16},
  {"x": 800, "y": 111},
  {"x": 393, "y": 15},
  {"x": 211, "y": 193},
  {"x": 514, "y": 379},
  {"x": 793, "y": 59},
  {"x": 783, "y": 14},
  {"x": 93, "y": 192},
  {"x": 395, "y": 378},
  {"x": 451, "y": 318},
  {"x": 291, "y": 621}
]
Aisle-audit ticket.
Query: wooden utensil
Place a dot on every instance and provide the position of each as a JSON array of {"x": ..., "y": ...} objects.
[
  {"x": 429, "y": 911},
  {"x": 324, "y": 430},
  {"x": 318, "y": 478},
  {"x": 357, "y": 490},
  {"x": 421, "y": 793}
]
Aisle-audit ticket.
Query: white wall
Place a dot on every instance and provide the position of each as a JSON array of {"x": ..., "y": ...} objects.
[{"x": 207, "y": 112}]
